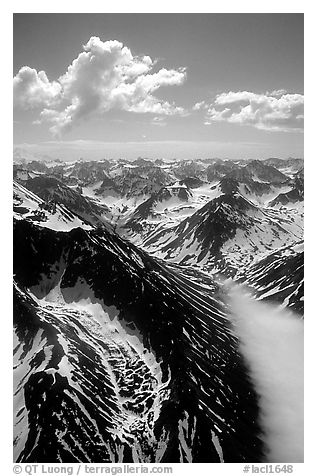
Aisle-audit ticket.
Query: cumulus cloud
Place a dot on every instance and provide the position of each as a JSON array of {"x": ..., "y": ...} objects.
[
  {"x": 276, "y": 92},
  {"x": 275, "y": 111},
  {"x": 105, "y": 76},
  {"x": 271, "y": 341},
  {"x": 200, "y": 106},
  {"x": 33, "y": 89}
]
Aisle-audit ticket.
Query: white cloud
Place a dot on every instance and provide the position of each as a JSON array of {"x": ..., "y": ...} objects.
[
  {"x": 33, "y": 89},
  {"x": 276, "y": 92},
  {"x": 200, "y": 105},
  {"x": 275, "y": 111},
  {"x": 271, "y": 341},
  {"x": 104, "y": 76},
  {"x": 158, "y": 121}
]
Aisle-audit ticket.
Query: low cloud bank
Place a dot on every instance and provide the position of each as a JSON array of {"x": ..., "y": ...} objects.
[{"x": 272, "y": 343}]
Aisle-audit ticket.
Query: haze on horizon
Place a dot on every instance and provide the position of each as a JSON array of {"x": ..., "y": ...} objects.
[{"x": 159, "y": 85}]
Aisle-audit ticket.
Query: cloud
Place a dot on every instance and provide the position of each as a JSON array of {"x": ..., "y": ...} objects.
[
  {"x": 200, "y": 106},
  {"x": 271, "y": 341},
  {"x": 158, "y": 121},
  {"x": 276, "y": 92},
  {"x": 105, "y": 76},
  {"x": 275, "y": 111},
  {"x": 32, "y": 89}
]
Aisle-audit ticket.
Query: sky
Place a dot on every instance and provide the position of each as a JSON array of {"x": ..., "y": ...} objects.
[{"x": 159, "y": 85}]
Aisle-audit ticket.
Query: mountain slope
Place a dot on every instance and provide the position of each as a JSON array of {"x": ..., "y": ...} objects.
[
  {"x": 50, "y": 189},
  {"x": 28, "y": 206},
  {"x": 168, "y": 207},
  {"x": 118, "y": 358},
  {"x": 279, "y": 277},
  {"x": 228, "y": 230}
]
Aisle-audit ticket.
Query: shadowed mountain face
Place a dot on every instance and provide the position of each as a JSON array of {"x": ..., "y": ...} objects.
[
  {"x": 289, "y": 197},
  {"x": 118, "y": 358}
]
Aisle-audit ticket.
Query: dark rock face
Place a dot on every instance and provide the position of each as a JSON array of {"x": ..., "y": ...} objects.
[
  {"x": 229, "y": 185},
  {"x": 108, "y": 187},
  {"x": 156, "y": 377},
  {"x": 191, "y": 182}
]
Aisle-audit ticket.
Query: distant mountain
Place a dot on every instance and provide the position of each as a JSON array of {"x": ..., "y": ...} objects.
[
  {"x": 22, "y": 156},
  {"x": 168, "y": 198},
  {"x": 219, "y": 169},
  {"x": 253, "y": 170},
  {"x": 256, "y": 170},
  {"x": 256, "y": 181},
  {"x": 227, "y": 229},
  {"x": 140, "y": 180},
  {"x": 185, "y": 169},
  {"x": 168, "y": 207},
  {"x": 140, "y": 161},
  {"x": 34, "y": 166},
  {"x": 291, "y": 164},
  {"x": 87, "y": 173},
  {"x": 121, "y": 191},
  {"x": 295, "y": 195}
]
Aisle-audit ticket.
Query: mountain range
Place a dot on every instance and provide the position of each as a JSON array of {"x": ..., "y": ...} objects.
[{"x": 125, "y": 349}]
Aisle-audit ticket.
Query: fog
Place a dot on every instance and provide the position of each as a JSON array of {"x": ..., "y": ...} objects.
[{"x": 272, "y": 343}]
